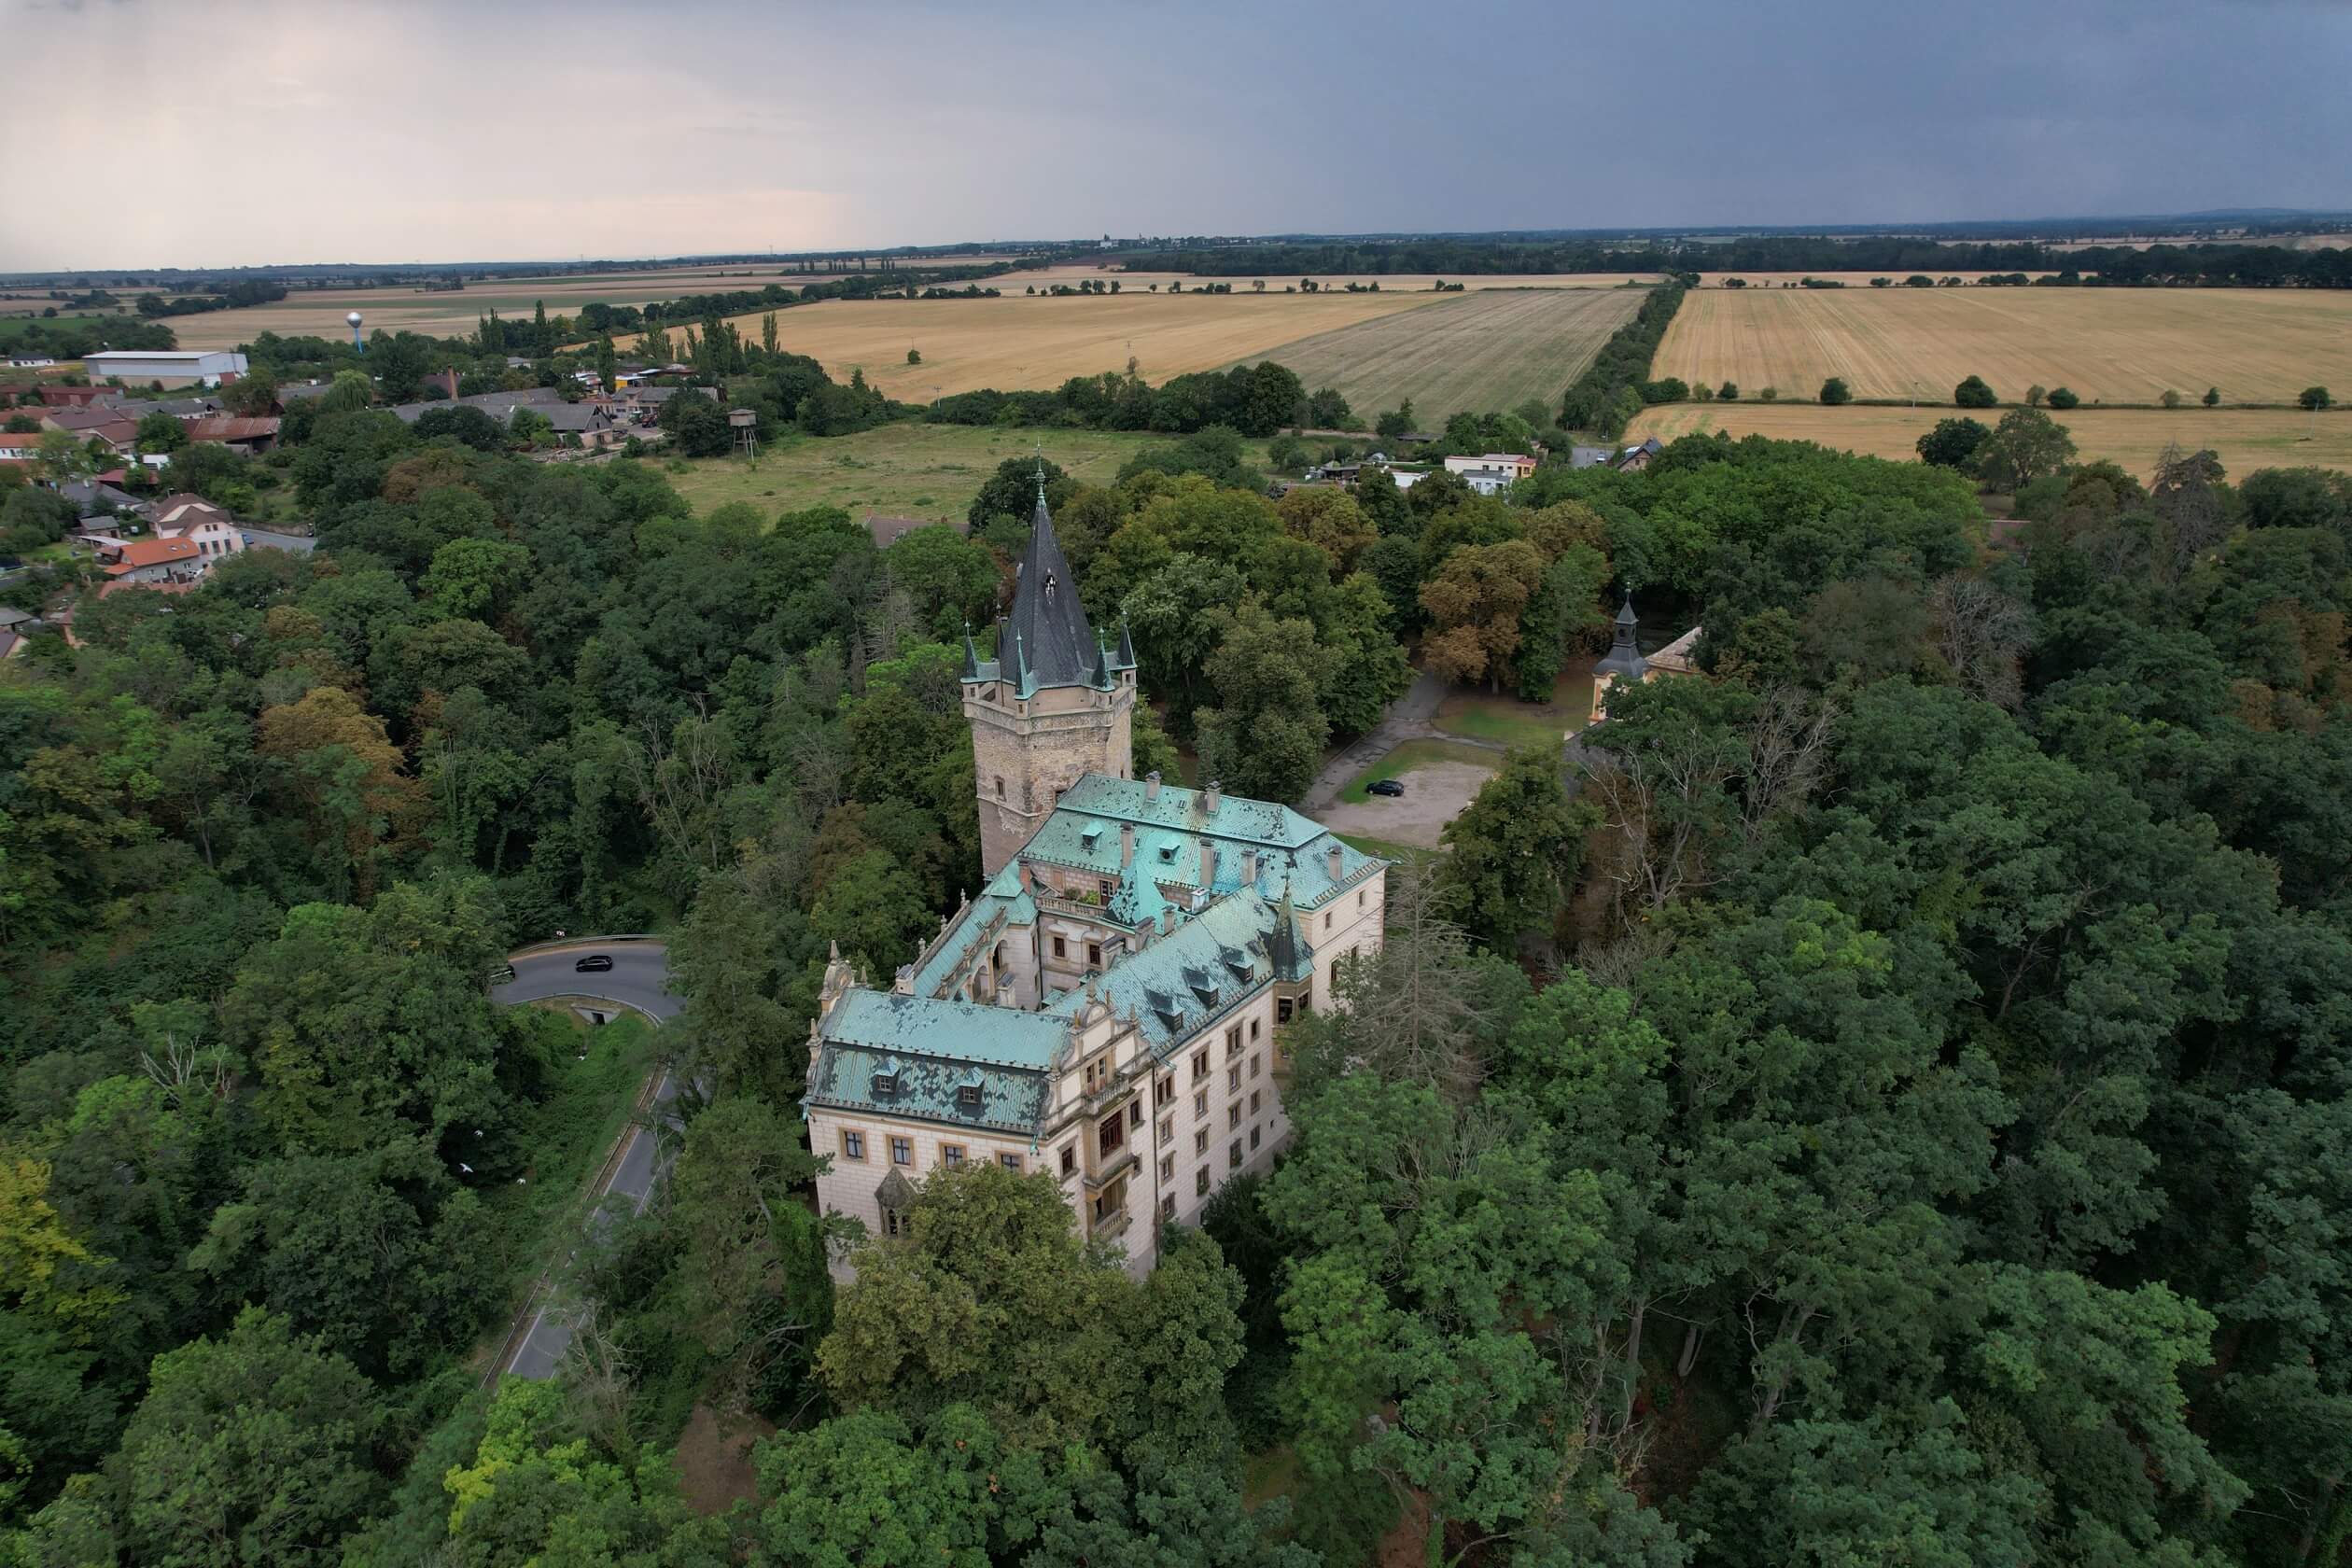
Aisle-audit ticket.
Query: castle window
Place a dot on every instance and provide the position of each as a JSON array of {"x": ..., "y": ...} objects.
[
  {"x": 1000, "y": 783},
  {"x": 1281, "y": 1009},
  {"x": 1167, "y": 1207},
  {"x": 901, "y": 1151},
  {"x": 1060, "y": 950},
  {"x": 1168, "y": 1169},
  {"x": 1010, "y": 1162},
  {"x": 1233, "y": 1156},
  {"x": 895, "y": 1221},
  {"x": 1253, "y": 1140},
  {"x": 1254, "y": 1028},
  {"x": 951, "y": 1156},
  {"x": 1200, "y": 1141},
  {"x": 852, "y": 1144},
  {"x": 1069, "y": 1158},
  {"x": 1253, "y": 1066},
  {"x": 1200, "y": 1182},
  {"x": 1094, "y": 955},
  {"x": 1110, "y": 1135},
  {"x": 968, "y": 1097},
  {"x": 1135, "y": 1112}
]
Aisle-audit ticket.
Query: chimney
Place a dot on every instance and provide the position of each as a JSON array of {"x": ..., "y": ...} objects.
[
  {"x": 1249, "y": 867},
  {"x": 1151, "y": 784},
  {"x": 1331, "y": 858},
  {"x": 1215, "y": 796},
  {"x": 1126, "y": 844}
]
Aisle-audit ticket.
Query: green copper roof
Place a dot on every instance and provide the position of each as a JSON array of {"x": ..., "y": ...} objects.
[
  {"x": 1183, "y": 982},
  {"x": 946, "y": 1029},
  {"x": 1172, "y": 829}
]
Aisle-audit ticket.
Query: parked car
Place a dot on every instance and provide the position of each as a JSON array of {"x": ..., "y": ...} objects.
[
  {"x": 594, "y": 963},
  {"x": 1384, "y": 787}
]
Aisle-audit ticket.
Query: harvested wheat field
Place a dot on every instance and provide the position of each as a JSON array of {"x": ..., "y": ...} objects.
[
  {"x": 1070, "y": 272},
  {"x": 1470, "y": 352},
  {"x": 2118, "y": 345},
  {"x": 2245, "y": 439},
  {"x": 1851, "y": 280},
  {"x": 321, "y": 311},
  {"x": 1024, "y": 342}
]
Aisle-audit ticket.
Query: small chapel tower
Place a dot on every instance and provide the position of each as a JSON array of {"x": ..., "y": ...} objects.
[{"x": 1053, "y": 704}]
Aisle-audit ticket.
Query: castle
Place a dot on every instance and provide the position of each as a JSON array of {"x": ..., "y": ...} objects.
[{"x": 1107, "y": 1010}]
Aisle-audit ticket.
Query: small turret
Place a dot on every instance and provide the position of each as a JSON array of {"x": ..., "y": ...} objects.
[
  {"x": 1127, "y": 645},
  {"x": 971, "y": 655}
]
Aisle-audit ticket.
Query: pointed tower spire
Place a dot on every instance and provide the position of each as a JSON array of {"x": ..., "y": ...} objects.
[
  {"x": 1015, "y": 668},
  {"x": 1103, "y": 666},
  {"x": 1057, "y": 645},
  {"x": 1283, "y": 945},
  {"x": 1624, "y": 659},
  {"x": 971, "y": 655},
  {"x": 1126, "y": 644}
]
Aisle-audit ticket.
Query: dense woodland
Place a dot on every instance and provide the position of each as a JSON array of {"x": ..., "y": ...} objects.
[{"x": 1884, "y": 1100}]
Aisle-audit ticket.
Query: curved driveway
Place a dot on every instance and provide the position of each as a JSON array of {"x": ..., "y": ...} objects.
[{"x": 638, "y": 978}]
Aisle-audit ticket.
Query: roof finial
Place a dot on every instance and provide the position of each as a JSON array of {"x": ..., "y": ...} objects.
[{"x": 1041, "y": 474}]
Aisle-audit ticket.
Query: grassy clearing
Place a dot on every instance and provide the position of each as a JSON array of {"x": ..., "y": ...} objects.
[
  {"x": 2124, "y": 345},
  {"x": 1471, "y": 353},
  {"x": 1411, "y": 755},
  {"x": 2246, "y": 439},
  {"x": 1508, "y": 721},
  {"x": 1019, "y": 341},
  {"x": 902, "y": 471},
  {"x": 1385, "y": 849}
]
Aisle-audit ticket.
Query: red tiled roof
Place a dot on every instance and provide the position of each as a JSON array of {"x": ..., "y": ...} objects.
[
  {"x": 229, "y": 428},
  {"x": 134, "y": 554}
]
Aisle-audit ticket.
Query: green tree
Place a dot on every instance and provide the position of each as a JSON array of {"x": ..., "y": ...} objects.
[
  {"x": 952, "y": 582},
  {"x": 2026, "y": 446},
  {"x": 1972, "y": 393},
  {"x": 1263, "y": 737},
  {"x": 2064, "y": 398},
  {"x": 2314, "y": 398},
  {"x": 249, "y": 1448},
  {"x": 2212, "y": 397},
  {"x": 1835, "y": 390},
  {"x": 1011, "y": 492},
  {"x": 1952, "y": 443},
  {"x": 161, "y": 432},
  {"x": 1517, "y": 848}
]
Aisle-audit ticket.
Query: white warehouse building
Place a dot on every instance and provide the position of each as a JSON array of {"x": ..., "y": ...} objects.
[{"x": 210, "y": 366}]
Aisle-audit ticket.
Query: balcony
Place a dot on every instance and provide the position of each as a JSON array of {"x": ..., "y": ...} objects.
[{"x": 1119, "y": 1163}]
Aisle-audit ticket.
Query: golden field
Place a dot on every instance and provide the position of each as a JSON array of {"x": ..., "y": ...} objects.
[
  {"x": 1072, "y": 271},
  {"x": 1471, "y": 353},
  {"x": 2125, "y": 345},
  {"x": 1024, "y": 342},
  {"x": 1851, "y": 279},
  {"x": 2245, "y": 439},
  {"x": 322, "y": 311}
]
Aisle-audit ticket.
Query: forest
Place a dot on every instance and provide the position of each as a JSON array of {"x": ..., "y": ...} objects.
[{"x": 1880, "y": 1101}]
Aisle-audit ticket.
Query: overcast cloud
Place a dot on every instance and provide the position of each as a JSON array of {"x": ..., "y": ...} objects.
[{"x": 223, "y": 132}]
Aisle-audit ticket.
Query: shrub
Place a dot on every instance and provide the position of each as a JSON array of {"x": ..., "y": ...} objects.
[
  {"x": 1835, "y": 391},
  {"x": 1769, "y": 395},
  {"x": 1729, "y": 391},
  {"x": 2034, "y": 394},
  {"x": 2064, "y": 398},
  {"x": 914, "y": 356},
  {"x": 2315, "y": 398},
  {"x": 2171, "y": 399},
  {"x": 2213, "y": 396},
  {"x": 1974, "y": 393}
]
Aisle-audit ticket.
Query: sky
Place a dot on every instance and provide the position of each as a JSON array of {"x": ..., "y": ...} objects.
[{"x": 234, "y": 133}]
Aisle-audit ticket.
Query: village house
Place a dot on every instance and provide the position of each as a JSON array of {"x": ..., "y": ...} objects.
[
  {"x": 1107, "y": 1010},
  {"x": 209, "y": 527},
  {"x": 247, "y": 434},
  {"x": 151, "y": 561},
  {"x": 1492, "y": 473}
]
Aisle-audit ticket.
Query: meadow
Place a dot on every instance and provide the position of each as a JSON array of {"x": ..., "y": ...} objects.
[
  {"x": 2118, "y": 345},
  {"x": 929, "y": 471},
  {"x": 2245, "y": 439},
  {"x": 1022, "y": 341},
  {"x": 1471, "y": 352}
]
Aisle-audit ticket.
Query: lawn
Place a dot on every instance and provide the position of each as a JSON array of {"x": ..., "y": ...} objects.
[
  {"x": 1414, "y": 754},
  {"x": 2245, "y": 439},
  {"x": 1508, "y": 721},
  {"x": 2118, "y": 345},
  {"x": 1472, "y": 352},
  {"x": 901, "y": 471},
  {"x": 1029, "y": 342}
]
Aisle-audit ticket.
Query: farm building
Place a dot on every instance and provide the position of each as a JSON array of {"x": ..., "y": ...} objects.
[{"x": 210, "y": 366}]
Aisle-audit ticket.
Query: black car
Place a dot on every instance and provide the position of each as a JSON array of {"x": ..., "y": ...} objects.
[
  {"x": 594, "y": 963},
  {"x": 1384, "y": 787}
]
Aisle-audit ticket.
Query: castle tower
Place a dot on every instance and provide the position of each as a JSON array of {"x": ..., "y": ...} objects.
[{"x": 1055, "y": 703}]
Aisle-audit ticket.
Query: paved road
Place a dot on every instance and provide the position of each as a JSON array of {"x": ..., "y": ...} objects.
[
  {"x": 1407, "y": 719},
  {"x": 640, "y": 977},
  {"x": 543, "y": 1348}
]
